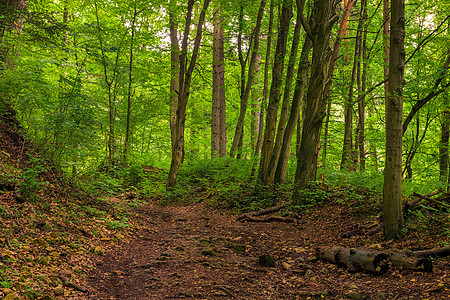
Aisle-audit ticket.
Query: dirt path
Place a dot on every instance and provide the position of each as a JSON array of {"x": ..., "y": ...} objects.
[{"x": 199, "y": 253}]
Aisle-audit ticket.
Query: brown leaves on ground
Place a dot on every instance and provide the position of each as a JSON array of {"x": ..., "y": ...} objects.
[{"x": 200, "y": 253}]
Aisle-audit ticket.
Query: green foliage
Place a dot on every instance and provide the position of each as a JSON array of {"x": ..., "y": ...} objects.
[
  {"x": 5, "y": 280},
  {"x": 313, "y": 196},
  {"x": 362, "y": 179},
  {"x": 217, "y": 170},
  {"x": 31, "y": 182},
  {"x": 118, "y": 224}
]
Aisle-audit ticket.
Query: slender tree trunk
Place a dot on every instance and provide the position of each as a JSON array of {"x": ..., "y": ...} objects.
[
  {"x": 267, "y": 65},
  {"x": 281, "y": 130},
  {"x": 256, "y": 105},
  {"x": 218, "y": 109},
  {"x": 174, "y": 75},
  {"x": 130, "y": 86},
  {"x": 348, "y": 157},
  {"x": 343, "y": 28},
  {"x": 392, "y": 200},
  {"x": 238, "y": 135},
  {"x": 386, "y": 45},
  {"x": 275, "y": 90},
  {"x": 300, "y": 86},
  {"x": 111, "y": 89},
  {"x": 362, "y": 101},
  {"x": 183, "y": 91},
  {"x": 443, "y": 145},
  {"x": 315, "y": 102}
]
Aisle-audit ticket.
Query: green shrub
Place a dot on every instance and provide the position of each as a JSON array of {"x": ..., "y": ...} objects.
[{"x": 216, "y": 170}]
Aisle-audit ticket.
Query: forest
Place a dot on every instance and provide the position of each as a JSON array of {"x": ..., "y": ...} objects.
[{"x": 215, "y": 149}]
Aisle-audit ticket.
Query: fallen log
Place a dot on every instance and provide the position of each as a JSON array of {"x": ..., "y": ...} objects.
[
  {"x": 436, "y": 252},
  {"x": 375, "y": 261},
  {"x": 357, "y": 260},
  {"x": 403, "y": 261}
]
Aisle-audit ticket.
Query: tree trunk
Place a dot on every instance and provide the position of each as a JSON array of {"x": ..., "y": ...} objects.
[
  {"x": 392, "y": 200},
  {"x": 361, "y": 103},
  {"x": 111, "y": 144},
  {"x": 343, "y": 28},
  {"x": 443, "y": 145},
  {"x": 347, "y": 149},
  {"x": 386, "y": 45},
  {"x": 174, "y": 75},
  {"x": 130, "y": 86},
  {"x": 315, "y": 103},
  {"x": 275, "y": 92},
  {"x": 267, "y": 65},
  {"x": 218, "y": 101},
  {"x": 238, "y": 135},
  {"x": 281, "y": 130},
  {"x": 374, "y": 261},
  {"x": 300, "y": 85},
  {"x": 183, "y": 91},
  {"x": 256, "y": 105}
]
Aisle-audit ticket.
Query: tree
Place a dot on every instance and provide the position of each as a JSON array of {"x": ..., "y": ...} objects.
[
  {"x": 275, "y": 94},
  {"x": 238, "y": 134},
  {"x": 343, "y": 28},
  {"x": 324, "y": 12},
  {"x": 265, "y": 91},
  {"x": 130, "y": 85},
  {"x": 10, "y": 23},
  {"x": 218, "y": 116},
  {"x": 392, "y": 194},
  {"x": 183, "y": 90}
]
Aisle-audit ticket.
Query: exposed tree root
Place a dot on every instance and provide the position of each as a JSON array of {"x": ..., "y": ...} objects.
[{"x": 255, "y": 216}]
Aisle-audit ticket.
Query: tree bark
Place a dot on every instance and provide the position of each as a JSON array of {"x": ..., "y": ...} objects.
[
  {"x": 281, "y": 130},
  {"x": 343, "y": 28},
  {"x": 443, "y": 145},
  {"x": 238, "y": 135},
  {"x": 347, "y": 149},
  {"x": 300, "y": 86},
  {"x": 183, "y": 91},
  {"x": 362, "y": 101},
  {"x": 357, "y": 260},
  {"x": 392, "y": 201},
  {"x": 267, "y": 65},
  {"x": 174, "y": 75},
  {"x": 218, "y": 101},
  {"x": 256, "y": 105},
  {"x": 386, "y": 46},
  {"x": 275, "y": 92},
  {"x": 374, "y": 261},
  {"x": 315, "y": 103}
]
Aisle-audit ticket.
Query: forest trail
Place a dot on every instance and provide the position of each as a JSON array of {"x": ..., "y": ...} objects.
[{"x": 196, "y": 252}]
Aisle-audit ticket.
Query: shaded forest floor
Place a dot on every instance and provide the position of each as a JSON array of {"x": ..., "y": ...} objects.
[
  {"x": 201, "y": 253},
  {"x": 57, "y": 242}
]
